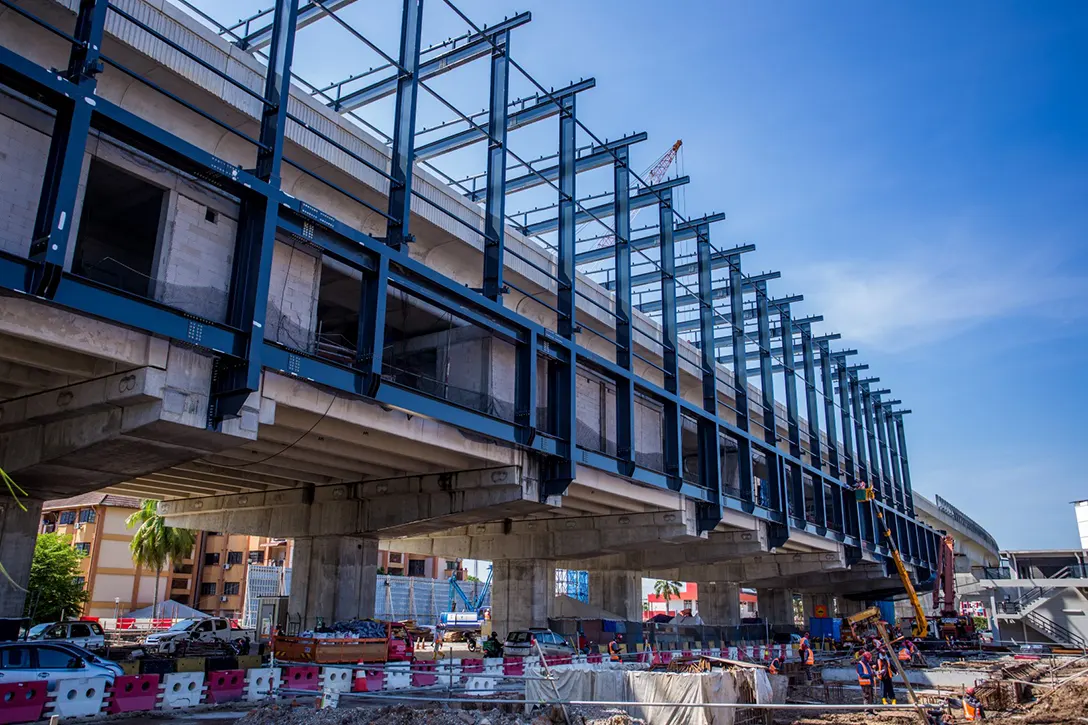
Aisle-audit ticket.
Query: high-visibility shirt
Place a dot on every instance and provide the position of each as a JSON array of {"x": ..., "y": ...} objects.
[
  {"x": 883, "y": 669},
  {"x": 865, "y": 674},
  {"x": 972, "y": 709},
  {"x": 904, "y": 655},
  {"x": 807, "y": 657}
]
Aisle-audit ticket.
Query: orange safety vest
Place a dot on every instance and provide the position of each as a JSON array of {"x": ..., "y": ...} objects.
[
  {"x": 904, "y": 655},
  {"x": 614, "y": 651},
  {"x": 773, "y": 668},
  {"x": 807, "y": 657},
  {"x": 971, "y": 709},
  {"x": 865, "y": 674}
]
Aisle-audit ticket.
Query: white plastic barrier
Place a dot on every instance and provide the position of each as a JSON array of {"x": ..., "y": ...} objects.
[
  {"x": 260, "y": 682},
  {"x": 336, "y": 679},
  {"x": 78, "y": 697},
  {"x": 398, "y": 675},
  {"x": 485, "y": 683},
  {"x": 182, "y": 689},
  {"x": 715, "y": 651},
  {"x": 449, "y": 673}
]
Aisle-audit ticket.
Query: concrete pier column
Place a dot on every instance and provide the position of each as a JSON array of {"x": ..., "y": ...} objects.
[
  {"x": 719, "y": 603},
  {"x": 522, "y": 593},
  {"x": 334, "y": 578},
  {"x": 811, "y": 601},
  {"x": 618, "y": 592},
  {"x": 850, "y": 606},
  {"x": 18, "y": 533},
  {"x": 775, "y": 606}
]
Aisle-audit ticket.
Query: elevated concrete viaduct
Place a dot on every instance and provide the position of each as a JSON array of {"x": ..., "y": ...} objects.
[{"x": 222, "y": 292}]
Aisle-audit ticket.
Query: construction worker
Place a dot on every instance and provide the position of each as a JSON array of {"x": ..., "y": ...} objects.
[
  {"x": 884, "y": 674},
  {"x": 776, "y": 666},
  {"x": 865, "y": 677},
  {"x": 614, "y": 648},
  {"x": 904, "y": 653},
  {"x": 972, "y": 708}
]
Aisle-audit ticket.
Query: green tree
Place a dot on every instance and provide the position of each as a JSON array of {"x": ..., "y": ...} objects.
[
  {"x": 155, "y": 544},
  {"x": 54, "y": 591},
  {"x": 667, "y": 590}
]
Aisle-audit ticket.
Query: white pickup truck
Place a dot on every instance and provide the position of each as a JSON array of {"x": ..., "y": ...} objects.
[{"x": 210, "y": 629}]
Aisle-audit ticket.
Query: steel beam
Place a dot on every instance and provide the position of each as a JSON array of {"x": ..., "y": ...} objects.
[
  {"x": 597, "y": 158},
  {"x": 673, "y": 433},
  {"x": 308, "y": 14},
  {"x": 720, "y": 291},
  {"x": 680, "y": 234},
  {"x": 707, "y": 431},
  {"x": 404, "y": 127},
  {"x": 495, "y": 207},
  {"x": 795, "y": 481},
  {"x": 541, "y": 109},
  {"x": 562, "y": 383},
  {"x": 258, "y": 220},
  {"x": 901, "y": 437},
  {"x": 647, "y": 196},
  {"x": 55, "y": 219},
  {"x": 625, "y": 389},
  {"x": 719, "y": 259},
  {"x": 477, "y": 46},
  {"x": 740, "y": 382},
  {"x": 749, "y": 314}
]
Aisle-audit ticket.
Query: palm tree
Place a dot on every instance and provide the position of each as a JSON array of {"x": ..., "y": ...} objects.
[
  {"x": 155, "y": 543},
  {"x": 667, "y": 590}
]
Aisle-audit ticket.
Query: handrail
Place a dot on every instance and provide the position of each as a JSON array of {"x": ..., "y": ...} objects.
[{"x": 1055, "y": 631}]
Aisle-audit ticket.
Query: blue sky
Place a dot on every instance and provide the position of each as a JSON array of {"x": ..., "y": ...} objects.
[{"x": 919, "y": 171}]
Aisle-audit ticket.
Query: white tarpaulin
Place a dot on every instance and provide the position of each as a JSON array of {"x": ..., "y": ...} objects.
[{"x": 630, "y": 683}]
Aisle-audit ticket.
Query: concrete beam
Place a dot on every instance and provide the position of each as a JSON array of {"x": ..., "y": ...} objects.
[
  {"x": 409, "y": 505},
  {"x": 556, "y": 538},
  {"x": 756, "y": 569},
  {"x": 715, "y": 548}
]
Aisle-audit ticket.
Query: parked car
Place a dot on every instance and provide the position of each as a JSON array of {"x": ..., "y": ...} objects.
[
  {"x": 49, "y": 663},
  {"x": 91, "y": 658},
  {"x": 88, "y": 635},
  {"x": 210, "y": 629},
  {"x": 522, "y": 643}
]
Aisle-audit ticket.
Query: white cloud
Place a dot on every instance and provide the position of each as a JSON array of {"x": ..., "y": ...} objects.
[{"x": 898, "y": 304}]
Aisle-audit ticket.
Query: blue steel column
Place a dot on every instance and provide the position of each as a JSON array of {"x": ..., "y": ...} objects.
[
  {"x": 827, "y": 391},
  {"x": 853, "y": 437},
  {"x": 709, "y": 515},
  {"x": 673, "y": 446},
  {"x": 256, "y": 236},
  {"x": 875, "y": 477},
  {"x": 882, "y": 445},
  {"x": 903, "y": 461},
  {"x": 563, "y": 379},
  {"x": 795, "y": 480},
  {"x": 740, "y": 379},
  {"x": 812, "y": 409},
  {"x": 770, "y": 426},
  {"x": 495, "y": 207},
  {"x": 54, "y": 222},
  {"x": 893, "y": 449},
  {"x": 404, "y": 126},
  {"x": 625, "y": 389}
]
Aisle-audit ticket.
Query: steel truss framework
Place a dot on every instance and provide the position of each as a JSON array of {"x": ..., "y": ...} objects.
[{"x": 873, "y": 447}]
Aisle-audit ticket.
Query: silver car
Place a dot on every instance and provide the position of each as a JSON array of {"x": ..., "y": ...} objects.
[
  {"x": 523, "y": 643},
  {"x": 50, "y": 663}
]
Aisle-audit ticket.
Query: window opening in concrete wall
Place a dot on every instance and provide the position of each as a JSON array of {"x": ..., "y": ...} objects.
[
  {"x": 338, "y": 312},
  {"x": 416, "y": 567},
  {"x": 117, "y": 242}
]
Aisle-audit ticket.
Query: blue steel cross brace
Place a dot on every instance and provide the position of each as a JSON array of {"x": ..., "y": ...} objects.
[
  {"x": 53, "y": 223},
  {"x": 256, "y": 237},
  {"x": 404, "y": 126},
  {"x": 495, "y": 207}
]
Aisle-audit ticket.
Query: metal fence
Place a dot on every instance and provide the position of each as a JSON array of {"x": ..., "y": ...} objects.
[{"x": 419, "y": 599}]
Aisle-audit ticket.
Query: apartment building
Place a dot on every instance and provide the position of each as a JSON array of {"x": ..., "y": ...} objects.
[
  {"x": 430, "y": 567},
  {"x": 96, "y": 523}
]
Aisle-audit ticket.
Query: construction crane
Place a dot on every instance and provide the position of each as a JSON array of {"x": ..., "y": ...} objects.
[
  {"x": 946, "y": 578},
  {"x": 653, "y": 175},
  {"x": 921, "y": 624}
]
